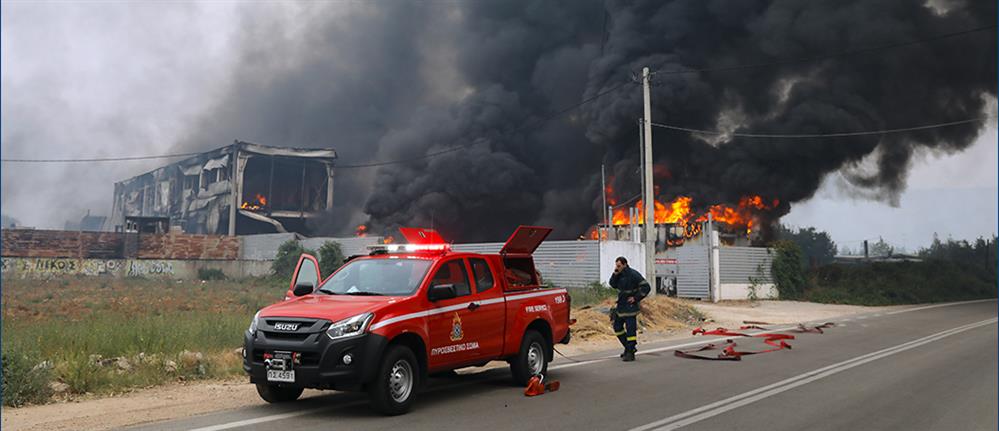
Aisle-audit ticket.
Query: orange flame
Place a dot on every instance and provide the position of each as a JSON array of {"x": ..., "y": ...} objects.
[
  {"x": 678, "y": 212},
  {"x": 388, "y": 240},
  {"x": 361, "y": 231},
  {"x": 259, "y": 201}
]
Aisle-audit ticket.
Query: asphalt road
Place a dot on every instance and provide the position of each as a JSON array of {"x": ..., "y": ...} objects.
[{"x": 920, "y": 368}]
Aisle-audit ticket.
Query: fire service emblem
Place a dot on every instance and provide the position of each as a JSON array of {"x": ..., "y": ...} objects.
[{"x": 456, "y": 333}]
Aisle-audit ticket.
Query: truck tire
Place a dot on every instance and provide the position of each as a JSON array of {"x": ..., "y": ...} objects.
[
  {"x": 396, "y": 382},
  {"x": 531, "y": 359},
  {"x": 278, "y": 394}
]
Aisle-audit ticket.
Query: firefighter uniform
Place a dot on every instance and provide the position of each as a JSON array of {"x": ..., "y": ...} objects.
[{"x": 629, "y": 284}]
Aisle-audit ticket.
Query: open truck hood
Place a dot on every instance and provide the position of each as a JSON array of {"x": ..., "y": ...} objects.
[{"x": 525, "y": 240}]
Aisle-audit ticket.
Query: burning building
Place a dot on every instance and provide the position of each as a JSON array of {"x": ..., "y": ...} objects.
[
  {"x": 679, "y": 220},
  {"x": 238, "y": 189}
]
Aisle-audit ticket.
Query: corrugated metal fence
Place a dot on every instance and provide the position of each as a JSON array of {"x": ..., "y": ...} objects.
[
  {"x": 563, "y": 263},
  {"x": 692, "y": 272},
  {"x": 738, "y": 264}
]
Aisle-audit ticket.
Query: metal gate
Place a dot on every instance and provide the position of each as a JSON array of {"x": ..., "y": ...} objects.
[{"x": 692, "y": 278}]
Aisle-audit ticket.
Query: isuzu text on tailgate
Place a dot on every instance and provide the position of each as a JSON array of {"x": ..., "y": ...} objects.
[{"x": 383, "y": 322}]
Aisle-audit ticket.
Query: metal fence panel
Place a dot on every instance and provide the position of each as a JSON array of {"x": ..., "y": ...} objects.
[
  {"x": 563, "y": 263},
  {"x": 692, "y": 272},
  {"x": 738, "y": 264}
]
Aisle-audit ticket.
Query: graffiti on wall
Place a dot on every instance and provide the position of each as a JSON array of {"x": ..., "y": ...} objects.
[
  {"x": 137, "y": 268},
  {"x": 47, "y": 267}
]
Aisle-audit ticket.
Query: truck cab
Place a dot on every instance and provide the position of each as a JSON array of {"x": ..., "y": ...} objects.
[{"x": 382, "y": 323}]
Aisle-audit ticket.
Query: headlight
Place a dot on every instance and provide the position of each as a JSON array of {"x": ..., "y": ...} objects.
[
  {"x": 253, "y": 324},
  {"x": 350, "y": 326}
]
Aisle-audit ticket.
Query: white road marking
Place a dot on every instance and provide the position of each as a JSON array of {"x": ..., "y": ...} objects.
[
  {"x": 946, "y": 304},
  {"x": 731, "y": 403},
  {"x": 269, "y": 418}
]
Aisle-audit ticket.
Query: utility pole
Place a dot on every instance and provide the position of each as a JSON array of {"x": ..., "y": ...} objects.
[
  {"x": 641, "y": 154},
  {"x": 603, "y": 194},
  {"x": 649, "y": 200}
]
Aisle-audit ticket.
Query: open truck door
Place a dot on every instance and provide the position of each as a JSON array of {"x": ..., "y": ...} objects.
[
  {"x": 306, "y": 277},
  {"x": 518, "y": 261}
]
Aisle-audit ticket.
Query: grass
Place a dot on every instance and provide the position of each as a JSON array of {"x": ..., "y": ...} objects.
[
  {"x": 593, "y": 294},
  {"x": 94, "y": 335}
]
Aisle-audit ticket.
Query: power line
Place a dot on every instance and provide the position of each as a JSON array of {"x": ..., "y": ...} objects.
[
  {"x": 821, "y": 135},
  {"x": 99, "y": 159},
  {"x": 825, "y": 56},
  {"x": 523, "y": 126}
]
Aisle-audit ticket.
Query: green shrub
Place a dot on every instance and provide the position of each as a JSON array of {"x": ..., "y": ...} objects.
[
  {"x": 787, "y": 270},
  {"x": 25, "y": 379},
  {"x": 330, "y": 257},
  {"x": 209, "y": 274},
  {"x": 287, "y": 258},
  {"x": 889, "y": 283}
]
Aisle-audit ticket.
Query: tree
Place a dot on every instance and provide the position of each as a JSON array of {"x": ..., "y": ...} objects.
[
  {"x": 816, "y": 247},
  {"x": 881, "y": 248},
  {"x": 787, "y": 270},
  {"x": 287, "y": 258},
  {"x": 330, "y": 257}
]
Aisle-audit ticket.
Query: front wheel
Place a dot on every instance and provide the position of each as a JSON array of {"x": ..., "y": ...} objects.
[
  {"x": 278, "y": 394},
  {"x": 396, "y": 383},
  {"x": 531, "y": 360}
]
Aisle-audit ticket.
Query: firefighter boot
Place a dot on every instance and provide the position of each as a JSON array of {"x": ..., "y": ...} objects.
[{"x": 629, "y": 355}]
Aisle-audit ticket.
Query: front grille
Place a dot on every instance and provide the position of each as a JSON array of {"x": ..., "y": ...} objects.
[{"x": 285, "y": 336}]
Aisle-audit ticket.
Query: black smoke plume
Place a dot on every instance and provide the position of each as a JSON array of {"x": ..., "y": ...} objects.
[{"x": 401, "y": 80}]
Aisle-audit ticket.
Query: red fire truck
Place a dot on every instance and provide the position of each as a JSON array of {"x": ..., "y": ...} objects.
[{"x": 382, "y": 323}]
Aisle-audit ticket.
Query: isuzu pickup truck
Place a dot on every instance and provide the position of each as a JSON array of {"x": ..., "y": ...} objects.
[{"x": 382, "y": 323}]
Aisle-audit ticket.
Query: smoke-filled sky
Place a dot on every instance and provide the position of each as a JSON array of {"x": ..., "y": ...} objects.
[{"x": 399, "y": 80}]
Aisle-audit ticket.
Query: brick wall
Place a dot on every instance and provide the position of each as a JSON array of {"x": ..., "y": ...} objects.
[
  {"x": 188, "y": 247},
  {"x": 58, "y": 243},
  {"x": 111, "y": 245}
]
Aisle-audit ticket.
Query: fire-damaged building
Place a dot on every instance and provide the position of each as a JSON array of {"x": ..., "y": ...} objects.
[{"x": 239, "y": 189}]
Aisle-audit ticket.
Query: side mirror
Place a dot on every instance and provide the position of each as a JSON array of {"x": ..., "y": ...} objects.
[
  {"x": 442, "y": 291},
  {"x": 306, "y": 277},
  {"x": 303, "y": 288}
]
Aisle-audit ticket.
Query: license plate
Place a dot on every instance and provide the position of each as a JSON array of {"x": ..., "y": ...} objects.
[{"x": 281, "y": 376}]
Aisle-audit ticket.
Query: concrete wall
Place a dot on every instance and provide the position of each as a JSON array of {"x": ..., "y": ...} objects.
[
  {"x": 610, "y": 250},
  {"x": 740, "y": 291},
  {"x": 265, "y": 246},
  {"x": 40, "y": 268}
]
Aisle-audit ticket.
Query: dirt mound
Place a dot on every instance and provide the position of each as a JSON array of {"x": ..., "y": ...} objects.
[{"x": 659, "y": 314}]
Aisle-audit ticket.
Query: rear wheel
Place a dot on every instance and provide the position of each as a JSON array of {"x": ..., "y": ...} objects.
[
  {"x": 394, "y": 387},
  {"x": 532, "y": 359},
  {"x": 278, "y": 394}
]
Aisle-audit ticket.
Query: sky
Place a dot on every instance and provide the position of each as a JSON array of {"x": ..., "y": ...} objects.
[
  {"x": 134, "y": 79},
  {"x": 951, "y": 195}
]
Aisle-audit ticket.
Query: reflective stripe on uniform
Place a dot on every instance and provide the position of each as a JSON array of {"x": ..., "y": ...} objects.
[
  {"x": 619, "y": 333},
  {"x": 633, "y": 338},
  {"x": 627, "y": 314}
]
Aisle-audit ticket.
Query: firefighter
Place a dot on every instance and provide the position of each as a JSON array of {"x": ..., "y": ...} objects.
[{"x": 631, "y": 289}]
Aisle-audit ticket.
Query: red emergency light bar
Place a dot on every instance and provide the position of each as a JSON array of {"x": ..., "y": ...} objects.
[{"x": 409, "y": 248}]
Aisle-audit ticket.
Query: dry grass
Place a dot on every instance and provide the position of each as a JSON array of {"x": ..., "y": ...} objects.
[{"x": 659, "y": 314}]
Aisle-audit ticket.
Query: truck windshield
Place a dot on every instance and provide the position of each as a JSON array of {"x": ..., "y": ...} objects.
[{"x": 388, "y": 277}]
